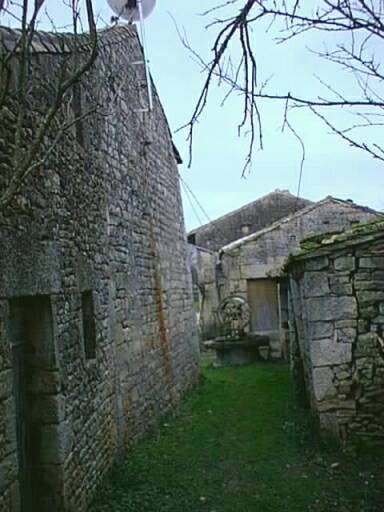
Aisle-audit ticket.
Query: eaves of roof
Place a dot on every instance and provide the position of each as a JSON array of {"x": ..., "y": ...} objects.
[{"x": 304, "y": 211}]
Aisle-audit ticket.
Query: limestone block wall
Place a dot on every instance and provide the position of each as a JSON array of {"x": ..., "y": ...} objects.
[
  {"x": 93, "y": 274},
  {"x": 337, "y": 320},
  {"x": 210, "y": 299},
  {"x": 203, "y": 268}
]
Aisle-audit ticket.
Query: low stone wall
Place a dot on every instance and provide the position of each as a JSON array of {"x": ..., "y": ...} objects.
[{"x": 337, "y": 341}]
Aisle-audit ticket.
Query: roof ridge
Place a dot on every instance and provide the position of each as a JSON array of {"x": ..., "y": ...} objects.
[
  {"x": 289, "y": 217},
  {"x": 237, "y": 210},
  {"x": 64, "y": 42}
]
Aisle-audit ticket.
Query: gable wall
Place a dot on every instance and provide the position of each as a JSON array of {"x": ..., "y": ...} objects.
[
  {"x": 103, "y": 215},
  {"x": 257, "y": 215}
]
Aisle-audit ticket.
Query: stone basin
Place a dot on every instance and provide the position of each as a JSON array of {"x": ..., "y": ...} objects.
[{"x": 239, "y": 351}]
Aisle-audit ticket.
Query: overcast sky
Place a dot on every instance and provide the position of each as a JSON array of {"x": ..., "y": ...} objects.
[{"x": 331, "y": 167}]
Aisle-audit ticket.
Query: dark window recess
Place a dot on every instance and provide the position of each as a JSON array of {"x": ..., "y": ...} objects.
[
  {"x": 192, "y": 239},
  {"x": 89, "y": 330}
]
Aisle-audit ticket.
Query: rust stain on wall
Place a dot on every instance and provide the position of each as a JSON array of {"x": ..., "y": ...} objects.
[{"x": 158, "y": 292}]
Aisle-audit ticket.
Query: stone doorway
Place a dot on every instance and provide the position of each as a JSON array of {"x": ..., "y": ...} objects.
[
  {"x": 34, "y": 367},
  {"x": 263, "y": 302}
]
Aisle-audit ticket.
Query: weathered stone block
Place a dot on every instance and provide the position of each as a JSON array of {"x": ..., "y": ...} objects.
[
  {"x": 367, "y": 297},
  {"x": 343, "y": 375},
  {"x": 320, "y": 330},
  {"x": 329, "y": 404},
  {"x": 368, "y": 312},
  {"x": 369, "y": 285},
  {"x": 366, "y": 345},
  {"x": 345, "y": 263},
  {"x": 363, "y": 326},
  {"x": 363, "y": 275},
  {"x": 317, "y": 263},
  {"x": 347, "y": 405},
  {"x": 374, "y": 262},
  {"x": 315, "y": 284},
  {"x": 331, "y": 308},
  {"x": 340, "y": 288},
  {"x": 330, "y": 352},
  {"x": 323, "y": 384},
  {"x": 344, "y": 389}
]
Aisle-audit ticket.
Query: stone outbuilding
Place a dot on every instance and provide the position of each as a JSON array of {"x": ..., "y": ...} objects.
[
  {"x": 336, "y": 288},
  {"x": 250, "y": 267},
  {"x": 97, "y": 333},
  {"x": 248, "y": 219}
]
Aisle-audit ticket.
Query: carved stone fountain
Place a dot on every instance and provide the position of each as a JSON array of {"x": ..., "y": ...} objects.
[{"x": 236, "y": 346}]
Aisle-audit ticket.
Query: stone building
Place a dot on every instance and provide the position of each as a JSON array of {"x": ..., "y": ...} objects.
[
  {"x": 337, "y": 339},
  {"x": 249, "y": 267},
  {"x": 248, "y": 219},
  {"x": 97, "y": 333}
]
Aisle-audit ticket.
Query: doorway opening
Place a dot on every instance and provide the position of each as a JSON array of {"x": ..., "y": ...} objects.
[
  {"x": 33, "y": 357},
  {"x": 264, "y": 304}
]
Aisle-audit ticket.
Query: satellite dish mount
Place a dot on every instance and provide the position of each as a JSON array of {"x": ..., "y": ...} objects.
[{"x": 135, "y": 11}]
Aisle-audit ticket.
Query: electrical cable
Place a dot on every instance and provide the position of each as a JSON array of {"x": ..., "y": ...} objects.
[{"x": 187, "y": 194}]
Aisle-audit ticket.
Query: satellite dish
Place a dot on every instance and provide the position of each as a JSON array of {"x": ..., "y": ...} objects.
[{"x": 130, "y": 9}]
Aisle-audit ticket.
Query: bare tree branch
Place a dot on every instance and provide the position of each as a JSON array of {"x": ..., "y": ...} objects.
[
  {"x": 361, "y": 20},
  {"x": 27, "y": 160}
]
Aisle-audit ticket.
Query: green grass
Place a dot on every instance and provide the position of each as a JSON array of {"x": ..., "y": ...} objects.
[{"x": 240, "y": 444}]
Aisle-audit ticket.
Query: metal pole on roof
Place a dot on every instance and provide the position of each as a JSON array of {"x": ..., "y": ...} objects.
[{"x": 146, "y": 61}]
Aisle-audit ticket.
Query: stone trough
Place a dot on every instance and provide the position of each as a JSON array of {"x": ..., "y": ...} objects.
[{"x": 239, "y": 351}]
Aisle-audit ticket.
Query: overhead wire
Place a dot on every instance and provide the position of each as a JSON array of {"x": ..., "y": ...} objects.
[
  {"x": 187, "y": 195},
  {"x": 189, "y": 191},
  {"x": 195, "y": 198}
]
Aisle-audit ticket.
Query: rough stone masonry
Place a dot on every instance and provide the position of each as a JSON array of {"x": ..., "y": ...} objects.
[
  {"x": 337, "y": 339},
  {"x": 97, "y": 331}
]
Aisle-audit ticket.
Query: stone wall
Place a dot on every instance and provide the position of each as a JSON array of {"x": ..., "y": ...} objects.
[
  {"x": 203, "y": 268},
  {"x": 263, "y": 254},
  {"x": 337, "y": 306},
  {"x": 248, "y": 219},
  {"x": 94, "y": 273}
]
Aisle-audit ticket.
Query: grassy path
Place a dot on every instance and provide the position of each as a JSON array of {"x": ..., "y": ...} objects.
[{"x": 239, "y": 446}]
